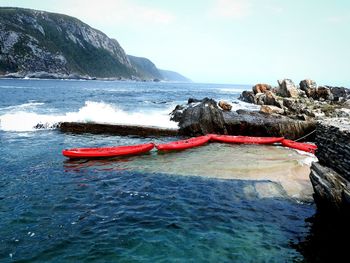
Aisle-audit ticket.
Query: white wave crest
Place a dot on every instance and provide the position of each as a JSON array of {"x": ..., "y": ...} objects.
[{"x": 98, "y": 112}]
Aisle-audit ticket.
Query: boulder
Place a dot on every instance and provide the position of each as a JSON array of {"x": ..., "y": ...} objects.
[
  {"x": 261, "y": 88},
  {"x": 206, "y": 117},
  {"x": 225, "y": 105},
  {"x": 287, "y": 89},
  {"x": 260, "y": 98},
  {"x": 271, "y": 99},
  {"x": 324, "y": 93},
  {"x": 269, "y": 109},
  {"x": 339, "y": 93},
  {"x": 248, "y": 96},
  {"x": 307, "y": 84},
  {"x": 200, "y": 118}
]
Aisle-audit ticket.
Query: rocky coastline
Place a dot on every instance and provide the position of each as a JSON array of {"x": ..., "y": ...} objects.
[{"x": 308, "y": 112}]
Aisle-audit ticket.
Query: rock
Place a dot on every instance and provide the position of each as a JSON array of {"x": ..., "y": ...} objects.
[
  {"x": 261, "y": 88},
  {"x": 193, "y": 100},
  {"x": 332, "y": 190},
  {"x": 205, "y": 117},
  {"x": 307, "y": 84},
  {"x": 309, "y": 87},
  {"x": 268, "y": 109},
  {"x": 339, "y": 93},
  {"x": 176, "y": 114},
  {"x": 287, "y": 89},
  {"x": 225, "y": 105},
  {"x": 333, "y": 140},
  {"x": 271, "y": 99},
  {"x": 248, "y": 96},
  {"x": 116, "y": 129},
  {"x": 260, "y": 98},
  {"x": 324, "y": 93}
]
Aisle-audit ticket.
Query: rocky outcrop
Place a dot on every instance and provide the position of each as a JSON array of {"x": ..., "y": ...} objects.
[
  {"x": 34, "y": 41},
  {"x": 287, "y": 88},
  {"x": 204, "y": 116},
  {"x": 38, "y": 44},
  {"x": 331, "y": 176},
  {"x": 115, "y": 129},
  {"x": 307, "y": 102}
]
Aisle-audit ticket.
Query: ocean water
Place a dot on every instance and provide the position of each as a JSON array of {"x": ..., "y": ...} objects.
[{"x": 216, "y": 203}]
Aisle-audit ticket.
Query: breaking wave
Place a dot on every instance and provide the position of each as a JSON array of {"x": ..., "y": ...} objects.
[{"x": 20, "y": 119}]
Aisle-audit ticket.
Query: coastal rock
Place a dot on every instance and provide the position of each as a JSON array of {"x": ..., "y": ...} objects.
[
  {"x": 339, "y": 93},
  {"x": 261, "y": 88},
  {"x": 248, "y": 96},
  {"x": 271, "y": 99},
  {"x": 309, "y": 87},
  {"x": 331, "y": 176},
  {"x": 307, "y": 84},
  {"x": 287, "y": 88},
  {"x": 225, "y": 105},
  {"x": 202, "y": 117},
  {"x": 115, "y": 129},
  {"x": 205, "y": 117},
  {"x": 324, "y": 93},
  {"x": 268, "y": 109}
]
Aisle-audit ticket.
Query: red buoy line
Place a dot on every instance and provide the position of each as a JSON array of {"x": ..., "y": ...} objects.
[{"x": 115, "y": 151}]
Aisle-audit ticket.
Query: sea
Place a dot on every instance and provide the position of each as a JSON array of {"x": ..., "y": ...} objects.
[{"x": 215, "y": 203}]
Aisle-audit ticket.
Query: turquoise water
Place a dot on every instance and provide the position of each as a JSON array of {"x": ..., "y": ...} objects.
[{"x": 123, "y": 209}]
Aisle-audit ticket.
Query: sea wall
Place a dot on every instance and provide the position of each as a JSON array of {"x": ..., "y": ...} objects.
[{"x": 330, "y": 177}]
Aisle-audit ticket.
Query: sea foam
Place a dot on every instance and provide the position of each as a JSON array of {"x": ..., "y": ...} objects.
[{"x": 19, "y": 119}]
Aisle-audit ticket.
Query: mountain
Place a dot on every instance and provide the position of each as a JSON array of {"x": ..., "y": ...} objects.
[
  {"x": 173, "y": 76},
  {"x": 42, "y": 44},
  {"x": 148, "y": 70},
  {"x": 145, "y": 68}
]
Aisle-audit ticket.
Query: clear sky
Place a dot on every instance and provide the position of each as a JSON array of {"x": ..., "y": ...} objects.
[{"x": 225, "y": 41}]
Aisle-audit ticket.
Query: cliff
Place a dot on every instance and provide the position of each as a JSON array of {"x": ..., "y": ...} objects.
[
  {"x": 49, "y": 45},
  {"x": 331, "y": 176},
  {"x": 148, "y": 70}
]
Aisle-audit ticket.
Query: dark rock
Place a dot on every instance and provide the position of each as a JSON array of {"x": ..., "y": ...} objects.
[
  {"x": 115, "y": 129},
  {"x": 250, "y": 123},
  {"x": 248, "y": 96},
  {"x": 193, "y": 100},
  {"x": 332, "y": 191},
  {"x": 202, "y": 118},
  {"x": 307, "y": 84},
  {"x": 260, "y": 98},
  {"x": 324, "y": 93},
  {"x": 205, "y": 117},
  {"x": 339, "y": 93},
  {"x": 176, "y": 114},
  {"x": 333, "y": 140}
]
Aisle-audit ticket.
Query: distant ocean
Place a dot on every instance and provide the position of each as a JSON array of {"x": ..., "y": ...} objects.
[{"x": 202, "y": 205}]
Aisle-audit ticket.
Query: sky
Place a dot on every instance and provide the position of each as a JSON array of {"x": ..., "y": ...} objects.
[{"x": 225, "y": 41}]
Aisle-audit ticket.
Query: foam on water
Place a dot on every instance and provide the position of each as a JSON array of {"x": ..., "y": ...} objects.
[{"x": 19, "y": 118}]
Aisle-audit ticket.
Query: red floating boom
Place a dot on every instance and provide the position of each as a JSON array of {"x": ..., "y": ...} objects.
[
  {"x": 107, "y": 151},
  {"x": 245, "y": 139},
  {"x": 184, "y": 144},
  {"x": 306, "y": 147}
]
